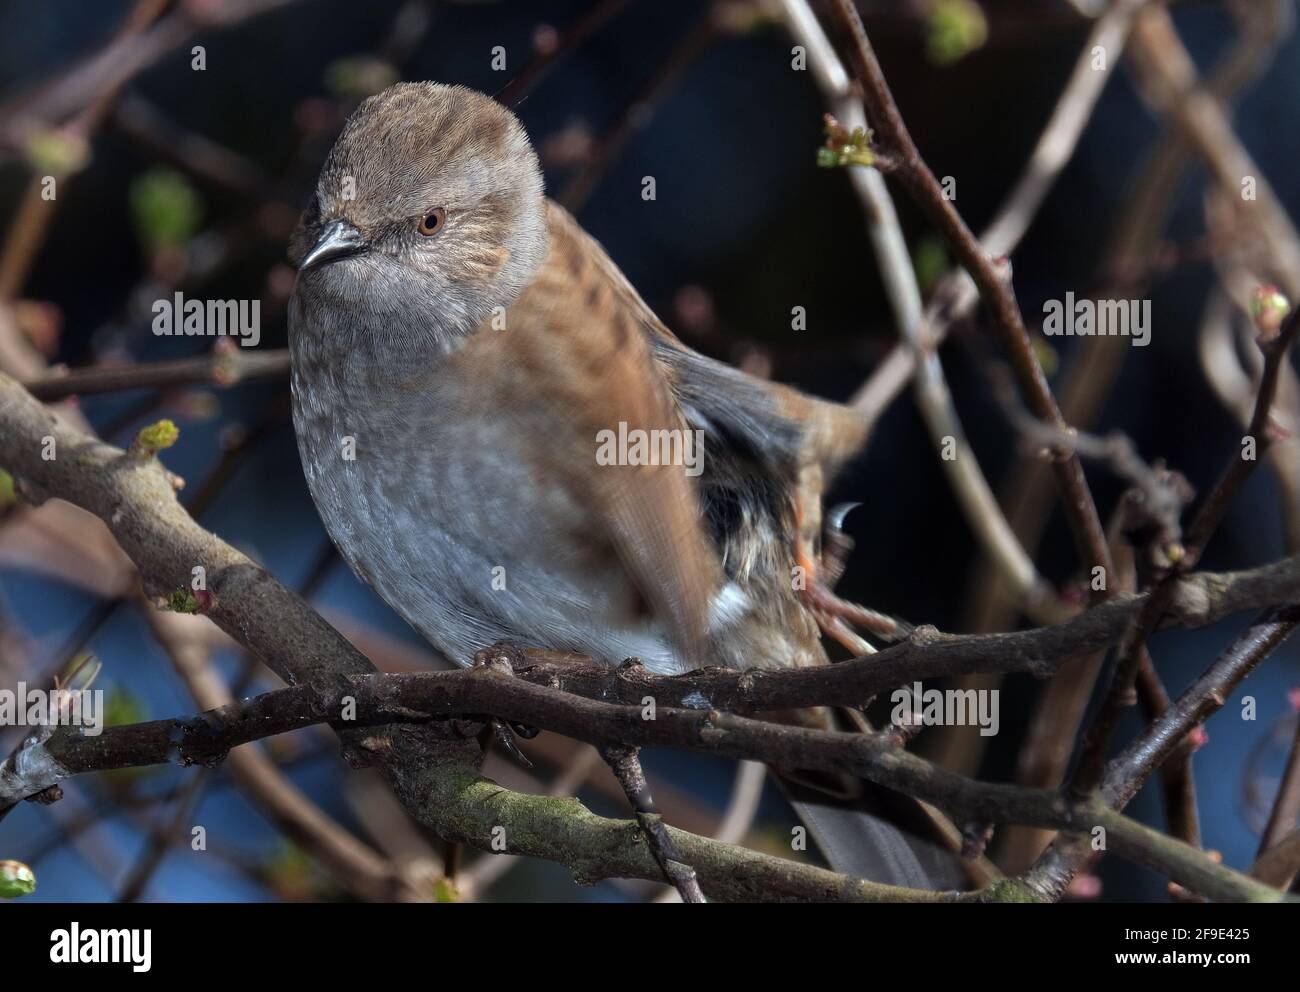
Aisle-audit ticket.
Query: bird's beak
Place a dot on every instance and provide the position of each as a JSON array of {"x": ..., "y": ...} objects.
[{"x": 338, "y": 240}]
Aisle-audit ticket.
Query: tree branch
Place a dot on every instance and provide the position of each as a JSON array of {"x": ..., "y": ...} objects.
[
  {"x": 437, "y": 780},
  {"x": 386, "y": 698},
  {"x": 994, "y": 287},
  {"x": 223, "y": 366}
]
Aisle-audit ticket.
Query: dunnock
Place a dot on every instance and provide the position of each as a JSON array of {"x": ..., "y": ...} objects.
[{"x": 507, "y": 444}]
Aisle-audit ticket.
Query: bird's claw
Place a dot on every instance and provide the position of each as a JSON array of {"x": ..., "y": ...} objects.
[
  {"x": 499, "y": 656},
  {"x": 505, "y": 735},
  {"x": 838, "y": 617}
]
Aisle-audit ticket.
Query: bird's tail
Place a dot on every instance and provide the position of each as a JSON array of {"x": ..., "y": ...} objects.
[
  {"x": 863, "y": 829},
  {"x": 870, "y": 836}
]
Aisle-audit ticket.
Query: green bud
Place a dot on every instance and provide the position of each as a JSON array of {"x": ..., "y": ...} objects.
[
  {"x": 165, "y": 208},
  {"x": 929, "y": 261},
  {"x": 956, "y": 28},
  {"x": 844, "y": 148},
  {"x": 158, "y": 435},
  {"x": 57, "y": 153},
  {"x": 122, "y": 707},
  {"x": 828, "y": 158},
  {"x": 1269, "y": 306},
  {"x": 182, "y": 601},
  {"x": 1047, "y": 356},
  {"x": 16, "y": 879},
  {"x": 444, "y": 890}
]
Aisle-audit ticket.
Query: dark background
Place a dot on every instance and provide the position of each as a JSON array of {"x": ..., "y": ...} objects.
[{"x": 744, "y": 215}]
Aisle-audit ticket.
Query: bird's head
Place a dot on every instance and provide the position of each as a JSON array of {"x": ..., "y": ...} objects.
[{"x": 428, "y": 214}]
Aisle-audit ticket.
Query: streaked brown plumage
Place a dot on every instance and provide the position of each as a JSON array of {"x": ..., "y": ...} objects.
[
  {"x": 472, "y": 371},
  {"x": 518, "y": 322},
  {"x": 580, "y": 341}
]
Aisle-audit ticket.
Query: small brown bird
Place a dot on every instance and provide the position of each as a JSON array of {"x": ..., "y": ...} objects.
[{"x": 507, "y": 444}]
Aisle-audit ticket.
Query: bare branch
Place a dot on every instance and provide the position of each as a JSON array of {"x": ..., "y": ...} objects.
[{"x": 223, "y": 366}]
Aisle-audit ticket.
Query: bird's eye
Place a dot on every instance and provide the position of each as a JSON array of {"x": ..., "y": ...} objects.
[{"x": 431, "y": 223}]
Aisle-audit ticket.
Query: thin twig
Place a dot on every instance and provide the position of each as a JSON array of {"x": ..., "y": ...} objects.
[
  {"x": 27, "y": 232},
  {"x": 638, "y": 114},
  {"x": 1171, "y": 85},
  {"x": 1125, "y": 773},
  {"x": 1088, "y": 378},
  {"x": 1286, "y": 806},
  {"x": 973, "y": 492},
  {"x": 1202, "y": 527},
  {"x": 1279, "y": 865},
  {"x": 994, "y": 288},
  {"x": 536, "y": 69},
  {"x": 224, "y": 366},
  {"x": 626, "y": 766},
  {"x": 956, "y": 295}
]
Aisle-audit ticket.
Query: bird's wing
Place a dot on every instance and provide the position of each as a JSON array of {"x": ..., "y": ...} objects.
[
  {"x": 574, "y": 324},
  {"x": 766, "y": 445},
  {"x": 772, "y": 450},
  {"x": 773, "y": 424}
]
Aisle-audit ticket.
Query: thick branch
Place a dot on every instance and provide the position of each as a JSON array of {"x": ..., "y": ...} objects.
[
  {"x": 133, "y": 495},
  {"x": 437, "y": 778},
  {"x": 382, "y": 698},
  {"x": 1201, "y": 598}
]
